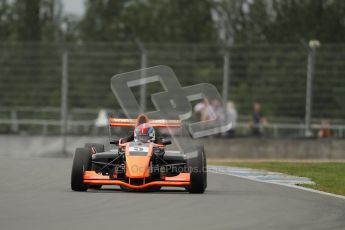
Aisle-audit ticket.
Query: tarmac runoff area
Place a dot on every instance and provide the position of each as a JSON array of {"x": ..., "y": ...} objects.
[{"x": 35, "y": 194}]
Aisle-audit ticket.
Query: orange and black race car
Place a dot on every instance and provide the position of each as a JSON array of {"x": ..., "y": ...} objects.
[{"x": 139, "y": 166}]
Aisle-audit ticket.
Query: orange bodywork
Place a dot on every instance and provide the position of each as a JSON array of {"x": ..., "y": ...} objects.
[
  {"x": 138, "y": 166},
  {"x": 123, "y": 122},
  {"x": 181, "y": 180}
]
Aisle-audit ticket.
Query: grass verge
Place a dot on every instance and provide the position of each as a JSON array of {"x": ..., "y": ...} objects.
[{"x": 328, "y": 177}]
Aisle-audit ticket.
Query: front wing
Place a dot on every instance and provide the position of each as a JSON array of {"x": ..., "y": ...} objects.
[{"x": 93, "y": 178}]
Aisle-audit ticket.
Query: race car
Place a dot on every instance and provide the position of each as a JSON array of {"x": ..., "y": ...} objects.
[{"x": 137, "y": 164}]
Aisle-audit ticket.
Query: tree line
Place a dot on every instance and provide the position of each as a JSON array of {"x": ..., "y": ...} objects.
[{"x": 231, "y": 22}]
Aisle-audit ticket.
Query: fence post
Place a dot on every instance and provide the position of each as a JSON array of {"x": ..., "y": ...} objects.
[
  {"x": 64, "y": 100},
  {"x": 143, "y": 65},
  {"x": 313, "y": 44},
  {"x": 14, "y": 121},
  {"x": 226, "y": 75}
]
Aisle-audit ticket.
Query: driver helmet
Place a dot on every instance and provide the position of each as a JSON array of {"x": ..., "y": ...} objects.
[{"x": 144, "y": 133}]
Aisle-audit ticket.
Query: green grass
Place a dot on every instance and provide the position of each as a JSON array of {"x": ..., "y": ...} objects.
[{"x": 328, "y": 177}]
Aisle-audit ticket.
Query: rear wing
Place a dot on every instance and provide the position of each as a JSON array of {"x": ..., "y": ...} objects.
[{"x": 161, "y": 123}]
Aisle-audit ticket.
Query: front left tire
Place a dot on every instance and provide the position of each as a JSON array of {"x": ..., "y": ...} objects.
[{"x": 81, "y": 163}]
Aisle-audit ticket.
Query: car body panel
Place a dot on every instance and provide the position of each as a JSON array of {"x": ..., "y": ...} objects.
[{"x": 138, "y": 157}]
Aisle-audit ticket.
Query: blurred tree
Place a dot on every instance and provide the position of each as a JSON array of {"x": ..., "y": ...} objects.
[
  {"x": 171, "y": 21},
  {"x": 27, "y": 26},
  {"x": 229, "y": 18},
  {"x": 237, "y": 21},
  {"x": 5, "y": 20},
  {"x": 280, "y": 21},
  {"x": 69, "y": 28},
  {"x": 309, "y": 19},
  {"x": 150, "y": 21},
  {"x": 37, "y": 20},
  {"x": 102, "y": 21}
]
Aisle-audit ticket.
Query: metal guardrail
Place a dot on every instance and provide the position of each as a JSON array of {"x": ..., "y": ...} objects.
[
  {"x": 45, "y": 124},
  {"x": 88, "y": 126},
  {"x": 46, "y": 120}
]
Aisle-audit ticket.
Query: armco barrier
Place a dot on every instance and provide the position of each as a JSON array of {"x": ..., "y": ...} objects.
[{"x": 239, "y": 148}]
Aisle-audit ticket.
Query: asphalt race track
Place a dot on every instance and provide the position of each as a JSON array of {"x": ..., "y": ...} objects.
[{"x": 35, "y": 194}]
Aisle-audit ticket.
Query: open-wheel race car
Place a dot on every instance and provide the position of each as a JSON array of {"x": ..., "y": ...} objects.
[{"x": 139, "y": 162}]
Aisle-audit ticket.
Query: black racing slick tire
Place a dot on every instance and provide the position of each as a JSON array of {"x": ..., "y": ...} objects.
[
  {"x": 198, "y": 172},
  {"x": 81, "y": 163},
  {"x": 98, "y": 147}
]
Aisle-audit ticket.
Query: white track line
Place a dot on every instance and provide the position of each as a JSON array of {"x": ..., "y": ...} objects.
[{"x": 282, "y": 184}]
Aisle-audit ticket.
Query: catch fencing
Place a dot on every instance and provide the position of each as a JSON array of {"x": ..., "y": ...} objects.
[{"x": 44, "y": 87}]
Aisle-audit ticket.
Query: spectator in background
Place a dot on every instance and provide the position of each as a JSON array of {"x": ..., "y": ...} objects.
[
  {"x": 258, "y": 120},
  {"x": 217, "y": 110},
  {"x": 205, "y": 110},
  {"x": 231, "y": 113},
  {"x": 325, "y": 129}
]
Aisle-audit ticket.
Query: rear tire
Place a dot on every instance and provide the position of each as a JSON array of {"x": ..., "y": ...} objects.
[
  {"x": 81, "y": 163},
  {"x": 198, "y": 175}
]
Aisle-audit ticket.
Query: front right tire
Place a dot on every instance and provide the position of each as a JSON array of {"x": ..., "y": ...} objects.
[
  {"x": 198, "y": 172},
  {"x": 81, "y": 163}
]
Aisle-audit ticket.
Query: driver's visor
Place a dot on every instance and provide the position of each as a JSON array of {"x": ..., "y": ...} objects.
[{"x": 143, "y": 138}]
